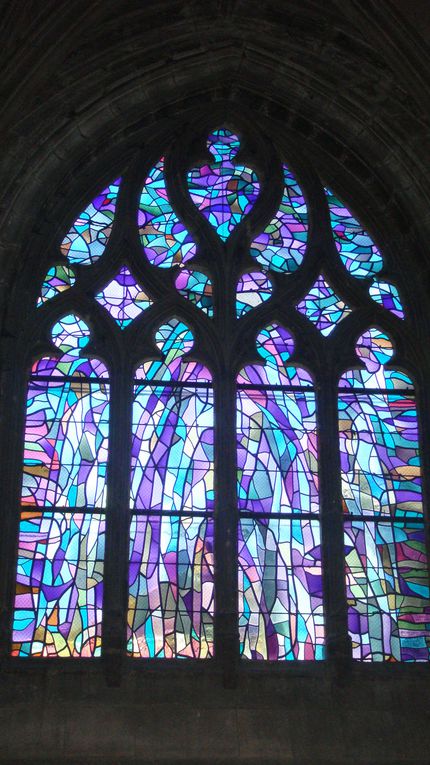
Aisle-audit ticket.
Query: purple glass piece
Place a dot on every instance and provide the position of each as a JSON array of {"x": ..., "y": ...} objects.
[{"x": 387, "y": 295}]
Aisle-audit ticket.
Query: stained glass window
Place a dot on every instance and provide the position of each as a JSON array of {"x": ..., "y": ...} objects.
[
  {"x": 386, "y": 560},
  {"x": 195, "y": 502}
]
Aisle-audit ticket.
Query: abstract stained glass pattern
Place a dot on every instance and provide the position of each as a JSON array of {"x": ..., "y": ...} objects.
[
  {"x": 171, "y": 564},
  {"x": 165, "y": 240},
  {"x": 386, "y": 564},
  {"x": 58, "y": 279},
  {"x": 323, "y": 307},
  {"x": 276, "y": 435},
  {"x": 380, "y": 462},
  {"x": 280, "y": 594},
  {"x": 86, "y": 241},
  {"x": 253, "y": 289},
  {"x": 282, "y": 244},
  {"x": 66, "y": 428},
  {"x": 196, "y": 287},
  {"x": 123, "y": 298},
  {"x": 357, "y": 251},
  {"x": 59, "y": 585},
  {"x": 171, "y": 600},
  {"x": 387, "y": 591},
  {"x": 280, "y": 589},
  {"x": 223, "y": 191},
  {"x": 379, "y": 443},
  {"x": 387, "y": 295},
  {"x": 172, "y": 429}
]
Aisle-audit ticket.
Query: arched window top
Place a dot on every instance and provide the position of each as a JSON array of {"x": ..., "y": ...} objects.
[
  {"x": 71, "y": 335},
  {"x": 275, "y": 345},
  {"x": 174, "y": 340},
  {"x": 375, "y": 349}
]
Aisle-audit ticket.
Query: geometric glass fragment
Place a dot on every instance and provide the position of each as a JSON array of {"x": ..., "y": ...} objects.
[
  {"x": 196, "y": 287},
  {"x": 123, "y": 298},
  {"x": 357, "y": 251},
  {"x": 252, "y": 290},
  {"x": 280, "y": 589},
  {"x": 379, "y": 451},
  {"x": 223, "y": 191},
  {"x": 59, "y": 585},
  {"x": 387, "y": 295},
  {"x": 172, "y": 448},
  {"x": 165, "y": 240},
  {"x": 58, "y": 279},
  {"x": 323, "y": 307},
  {"x": 86, "y": 241},
  {"x": 387, "y": 591},
  {"x": 282, "y": 244},
  {"x": 277, "y": 451},
  {"x": 171, "y": 587}
]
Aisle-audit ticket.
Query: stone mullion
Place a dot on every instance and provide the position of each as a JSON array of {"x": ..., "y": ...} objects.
[
  {"x": 115, "y": 599},
  {"x": 226, "y": 513},
  {"x": 226, "y": 519},
  {"x": 14, "y": 386},
  {"x": 338, "y": 643},
  {"x": 422, "y": 397}
]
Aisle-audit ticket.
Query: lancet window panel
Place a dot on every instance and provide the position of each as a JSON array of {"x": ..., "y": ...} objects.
[
  {"x": 190, "y": 453},
  {"x": 385, "y": 553},
  {"x": 59, "y": 580}
]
